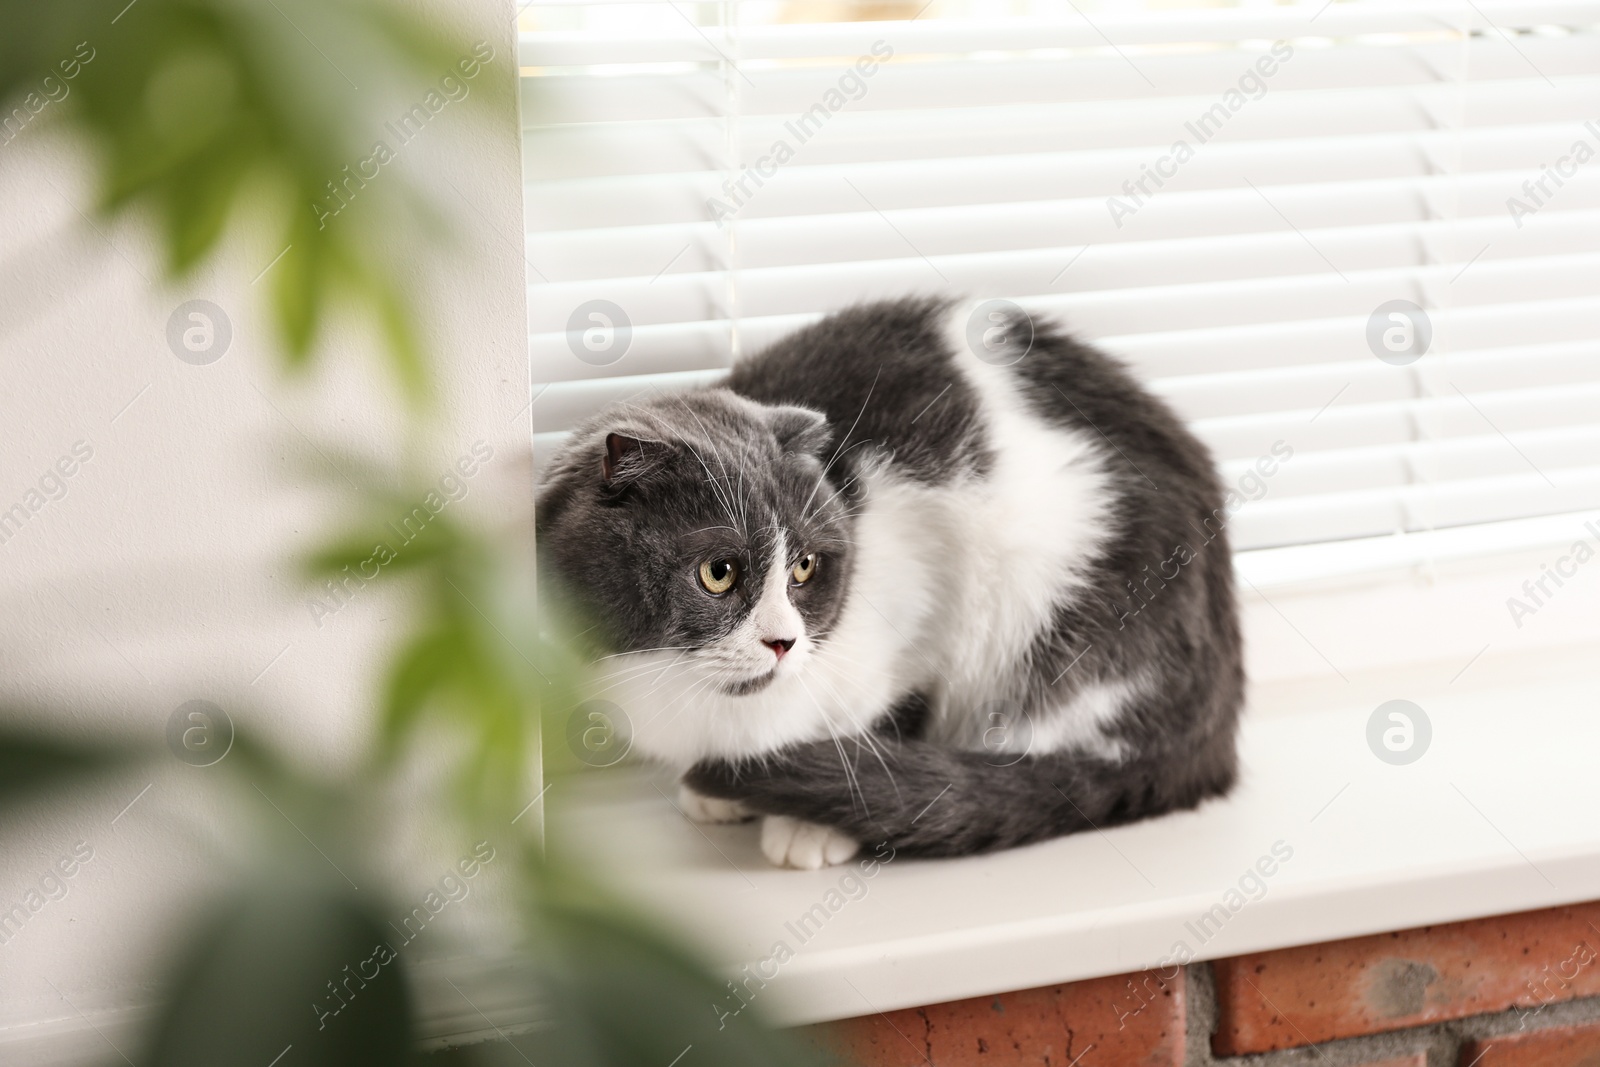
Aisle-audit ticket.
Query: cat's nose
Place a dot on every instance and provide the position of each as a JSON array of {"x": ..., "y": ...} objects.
[{"x": 779, "y": 645}]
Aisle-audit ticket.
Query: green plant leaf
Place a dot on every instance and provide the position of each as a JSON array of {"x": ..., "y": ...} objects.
[
  {"x": 299, "y": 286},
  {"x": 289, "y": 967},
  {"x": 418, "y": 673},
  {"x": 622, "y": 995},
  {"x": 405, "y": 349},
  {"x": 199, "y": 206},
  {"x": 31, "y": 762},
  {"x": 202, "y": 110}
]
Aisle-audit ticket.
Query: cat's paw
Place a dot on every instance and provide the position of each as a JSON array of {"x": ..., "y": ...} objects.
[
  {"x": 805, "y": 846},
  {"x": 701, "y": 808}
]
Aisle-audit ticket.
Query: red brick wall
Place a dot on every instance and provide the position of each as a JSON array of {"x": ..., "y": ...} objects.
[
  {"x": 1300, "y": 996},
  {"x": 1502, "y": 992},
  {"x": 1560, "y": 1046},
  {"x": 1091, "y": 1024}
]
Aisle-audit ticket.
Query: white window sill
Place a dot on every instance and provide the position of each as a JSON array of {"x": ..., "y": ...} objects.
[{"x": 1496, "y": 817}]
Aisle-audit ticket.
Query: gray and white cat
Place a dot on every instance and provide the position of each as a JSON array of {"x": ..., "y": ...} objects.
[{"x": 890, "y": 586}]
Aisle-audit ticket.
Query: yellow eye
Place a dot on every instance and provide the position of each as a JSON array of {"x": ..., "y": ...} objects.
[
  {"x": 804, "y": 569},
  {"x": 718, "y": 575}
]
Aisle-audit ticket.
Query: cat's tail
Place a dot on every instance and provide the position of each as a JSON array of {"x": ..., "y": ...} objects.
[{"x": 928, "y": 800}]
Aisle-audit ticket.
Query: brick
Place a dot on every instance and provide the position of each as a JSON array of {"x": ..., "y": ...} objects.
[
  {"x": 1558, "y": 1046},
  {"x": 1416, "y": 1059},
  {"x": 1301, "y": 996},
  {"x": 1132, "y": 1020}
]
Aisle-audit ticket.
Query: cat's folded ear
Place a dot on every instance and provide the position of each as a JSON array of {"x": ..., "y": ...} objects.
[
  {"x": 628, "y": 458},
  {"x": 800, "y": 429}
]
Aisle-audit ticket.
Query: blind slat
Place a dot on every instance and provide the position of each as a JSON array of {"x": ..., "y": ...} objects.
[
  {"x": 1380, "y": 160},
  {"x": 1376, "y": 229},
  {"x": 675, "y": 43},
  {"x": 935, "y": 84}
]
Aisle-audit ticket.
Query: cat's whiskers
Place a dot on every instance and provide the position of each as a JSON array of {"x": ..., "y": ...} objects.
[
  {"x": 828, "y": 654},
  {"x": 822, "y": 479},
  {"x": 734, "y": 668},
  {"x": 744, "y": 511},
  {"x": 853, "y": 784},
  {"x": 612, "y": 670},
  {"x": 686, "y": 696},
  {"x": 711, "y": 478},
  {"x": 692, "y": 691},
  {"x": 705, "y": 529},
  {"x": 622, "y": 675},
  {"x": 662, "y": 674},
  {"x": 863, "y": 732},
  {"x": 826, "y": 467},
  {"x": 662, "y": 678},
  {"x": 846, "y": 484},
  {"x": 627, "y": 675},
  {"x": 716, "y": 487},
  {"x": 641, "y": 651}
]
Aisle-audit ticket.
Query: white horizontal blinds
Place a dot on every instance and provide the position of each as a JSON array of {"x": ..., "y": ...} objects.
[{"x": 1374, "y": 163}]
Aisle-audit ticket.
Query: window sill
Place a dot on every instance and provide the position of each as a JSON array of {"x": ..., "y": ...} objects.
[{"x": 1496, "y": 817}]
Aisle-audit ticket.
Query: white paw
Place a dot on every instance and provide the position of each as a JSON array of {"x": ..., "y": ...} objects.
[
  {"x": 710, "y": 809},
  {"x": 803, "y": 845}
]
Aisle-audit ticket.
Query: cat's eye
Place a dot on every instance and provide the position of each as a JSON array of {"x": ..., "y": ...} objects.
[
  {"x": 718, "y": 575},
  {"x": 804, "y": 568}
]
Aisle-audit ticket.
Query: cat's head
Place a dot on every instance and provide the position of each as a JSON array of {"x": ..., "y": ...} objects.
[{"x": 702, "y": 526}]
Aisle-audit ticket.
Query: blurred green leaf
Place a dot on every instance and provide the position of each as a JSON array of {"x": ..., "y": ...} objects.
[
  {"x": 298, "y": 288},
  {"x": 205, "y": 109},
  {"x": 290, "y": 965},
  {"x": 420, "y": 670},
  {"x": 404, "y": 346},
  {"x": 376, "y": 552},
  {"x": 31, "y": 762},
  {"x": 622, "y": 995}
]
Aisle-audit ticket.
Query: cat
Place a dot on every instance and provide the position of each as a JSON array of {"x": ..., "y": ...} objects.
[{"x": 929, "y": 575}]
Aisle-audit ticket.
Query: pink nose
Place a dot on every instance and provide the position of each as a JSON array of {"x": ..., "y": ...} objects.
[{"x": 779, "y": 645}]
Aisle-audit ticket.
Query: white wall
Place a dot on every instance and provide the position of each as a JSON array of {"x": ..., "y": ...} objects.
[{"x": 166, "y": 572}]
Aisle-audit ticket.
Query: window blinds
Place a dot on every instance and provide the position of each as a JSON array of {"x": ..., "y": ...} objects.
[{"x": 1230, "y": 199}]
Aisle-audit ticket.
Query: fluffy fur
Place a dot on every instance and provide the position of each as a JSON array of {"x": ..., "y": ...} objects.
[{"x": 1021, "y": 622}]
